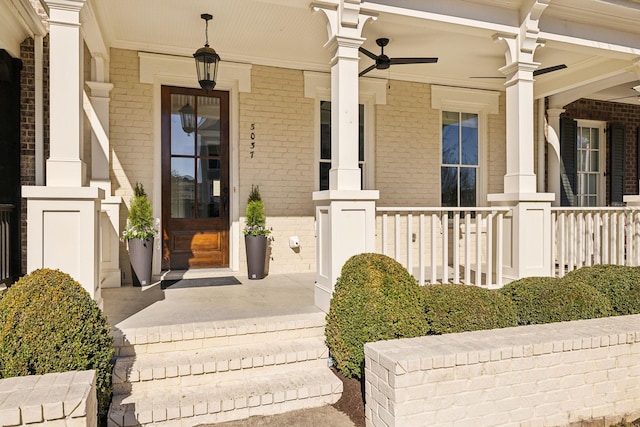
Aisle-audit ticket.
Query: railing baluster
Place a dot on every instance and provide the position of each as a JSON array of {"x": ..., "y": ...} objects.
[
  {"x": 385, "y": 237},
  {"x": 434, "y": 248},
  {"x": 445, "y": 247},
  {"x": 606, "y": 243},
  {"x": 489, "y": 255},
  {"x": 421, "y": 248},
  {"x": 467, "y": 248},
  {"x": 396, "y": 238},
  {"x": 499, "y": 245},
  {"x": 479, "y": 249},
  {"x": 562, "y": 249},
  {"x": 621, "y": 226},
  {"x": 410, "y": 243},
  {"x": 636, "y": 235},
  {"x": 597, "y": 238},
  {"x": 455, "y": 234}
]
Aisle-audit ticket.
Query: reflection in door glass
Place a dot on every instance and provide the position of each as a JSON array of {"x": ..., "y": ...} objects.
[
  {"x": 182, "y": 187},
  {"x": 182, "y": 124}
]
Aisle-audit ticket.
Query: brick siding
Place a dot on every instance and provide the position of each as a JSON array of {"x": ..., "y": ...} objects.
[
  {"x": 610, "y": 112},
  {"x": 28, "y": 125}
]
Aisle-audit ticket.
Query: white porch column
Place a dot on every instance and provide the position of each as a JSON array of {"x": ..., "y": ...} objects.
[
  {"x": 63, "y": 216},
  {"x": 528, "y": 230},
  {"x": 553, "y": 159},
  {"x": 345, "y": 214},
  {"x": 65, "y": 167},
  {"x": 97, "y": 111}
]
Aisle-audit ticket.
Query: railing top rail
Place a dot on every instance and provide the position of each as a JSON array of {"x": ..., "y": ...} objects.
[
  {"x": 503, "y": 209},
  {"x": 595, "y": 209},
  {"x": 4, "y": 207}
]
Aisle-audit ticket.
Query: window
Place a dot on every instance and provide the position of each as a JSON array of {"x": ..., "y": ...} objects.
[
  {"x": 459, "y": 171},
  {"x": 325, "y": 144},
  {"x": 589, "y": 164}
]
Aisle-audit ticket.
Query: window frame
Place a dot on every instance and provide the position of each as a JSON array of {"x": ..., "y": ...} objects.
[
  {"x": 368, "y": 101},
  {"x": 459, "y": 165},
  {"x": 602, "y": 163},
  {"x": 470, "y": 101}
]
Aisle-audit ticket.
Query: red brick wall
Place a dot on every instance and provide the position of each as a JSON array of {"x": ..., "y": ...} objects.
[
  {"x": 27, "y": 125},
  {"x": 611, "y": 112}
]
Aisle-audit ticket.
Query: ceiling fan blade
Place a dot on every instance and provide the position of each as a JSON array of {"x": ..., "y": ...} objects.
[
  {"x": 362, "y": 73},
  {"x": 369, "y": 54},
  {"x": 549, "y": 69},
  {"x": 396, "y": 61}
]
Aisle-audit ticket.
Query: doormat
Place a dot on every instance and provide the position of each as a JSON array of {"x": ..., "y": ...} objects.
[{"x": 199, "y": 283}]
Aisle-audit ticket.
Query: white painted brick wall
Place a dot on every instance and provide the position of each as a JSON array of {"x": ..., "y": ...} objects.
[
  {"x": 541, "y": 375},
  {"x": 282, "y": 164},
  {"x": 62, "y": 399},
  {"x": 130, "y": 134}
]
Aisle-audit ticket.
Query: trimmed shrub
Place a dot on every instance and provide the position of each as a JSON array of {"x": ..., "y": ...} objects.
[
  {"x": 459, "y": 308},
  {"x": 547, "y": 299},
  {"x": 375, "y": 299},
  {"x": 619, "y": 283},
  {"x": 49, "y": 323}
]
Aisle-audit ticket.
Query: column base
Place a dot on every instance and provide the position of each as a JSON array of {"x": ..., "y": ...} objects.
[{"x": 62, "y": 232}]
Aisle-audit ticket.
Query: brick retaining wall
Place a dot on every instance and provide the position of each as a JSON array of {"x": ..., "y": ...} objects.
[
  {"x": 542, "y": 375},
  {"x": 64, "y": 399}
]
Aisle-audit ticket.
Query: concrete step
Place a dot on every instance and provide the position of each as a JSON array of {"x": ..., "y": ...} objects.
[
  {"x": 193, "y": 336},
  {"x": 196, "y": 367},
  {"x": 227, "y": 400}
]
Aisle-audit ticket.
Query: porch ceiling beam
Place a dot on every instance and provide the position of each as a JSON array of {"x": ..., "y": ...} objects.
[{"x": 91, "y": 32}]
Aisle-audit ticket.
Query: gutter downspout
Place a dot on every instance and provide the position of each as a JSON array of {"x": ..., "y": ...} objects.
[{"x": 39, "y": 108}]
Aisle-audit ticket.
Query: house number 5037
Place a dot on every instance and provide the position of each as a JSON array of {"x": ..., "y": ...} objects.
[{"x": 253, "y": 139}]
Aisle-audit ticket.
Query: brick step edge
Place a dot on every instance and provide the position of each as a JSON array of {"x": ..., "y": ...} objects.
[
  {"x": 217, "y": 360},
  {"x": 225, "y": 401},
  {"x": 132, "y": 341}
]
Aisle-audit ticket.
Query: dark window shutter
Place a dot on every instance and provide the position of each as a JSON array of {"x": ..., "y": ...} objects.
[
  {"x": 638, "y": 156},
  {"x": 617, "y": 143},
  {"x": 568, "y": 161}
]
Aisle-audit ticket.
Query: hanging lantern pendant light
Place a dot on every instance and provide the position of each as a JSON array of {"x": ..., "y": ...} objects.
[{"x": 206, "y": 58}]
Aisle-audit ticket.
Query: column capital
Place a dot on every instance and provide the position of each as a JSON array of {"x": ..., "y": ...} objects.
[
  {"x": 64, "y": 11},
  {"x": 346, "y": 19},
  {"x": 99, "y": 89}
]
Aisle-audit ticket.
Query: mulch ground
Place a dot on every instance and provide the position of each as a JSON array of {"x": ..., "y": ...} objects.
[{"x": 352, "y": 401}]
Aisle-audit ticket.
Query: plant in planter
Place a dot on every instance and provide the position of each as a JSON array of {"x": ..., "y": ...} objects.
[
  {"x": 139, "y": 235},
  {"x": 255, "y": 235}
]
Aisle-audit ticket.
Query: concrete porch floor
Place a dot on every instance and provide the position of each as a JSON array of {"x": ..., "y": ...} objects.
[{"x": 275, "y": 295}]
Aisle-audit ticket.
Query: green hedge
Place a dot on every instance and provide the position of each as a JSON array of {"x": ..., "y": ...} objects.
[
  {"x": 546, "y": 299},
  {"x": 619, "y": 283},
  {"x": 458, "y": 308},
  {"x": 49, "y": 323},
  {"x": 375, "y": 299}
]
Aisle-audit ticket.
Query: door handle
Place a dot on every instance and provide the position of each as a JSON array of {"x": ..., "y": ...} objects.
[{"x": 225, "y": 199}]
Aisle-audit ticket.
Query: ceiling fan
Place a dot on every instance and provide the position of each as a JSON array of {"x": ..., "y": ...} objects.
[
  {"x": 383, "y": 62},
  {"x": 535, "y": 73}
]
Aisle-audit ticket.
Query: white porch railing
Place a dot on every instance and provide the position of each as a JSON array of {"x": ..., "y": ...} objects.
[
  {"x": 5, "y": 240},
  {"x": 441, "y": 245},
  {"x": 587, "y": 236}
]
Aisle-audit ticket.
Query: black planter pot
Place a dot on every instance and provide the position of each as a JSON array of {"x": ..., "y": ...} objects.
[
  {"x": 256, "y": 255},
  {"x": 141, "y": 256}
]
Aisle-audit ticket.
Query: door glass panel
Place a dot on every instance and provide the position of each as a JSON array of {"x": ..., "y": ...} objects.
[
  {"x": 209, "y": 191},
  {"x": 182, "y": 124},
  {"x": 182, "y": 187},
  {"x": 208, "y": 126}
]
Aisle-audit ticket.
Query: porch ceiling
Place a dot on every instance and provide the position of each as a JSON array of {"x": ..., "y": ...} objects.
[{"x": 596, "y": 39}]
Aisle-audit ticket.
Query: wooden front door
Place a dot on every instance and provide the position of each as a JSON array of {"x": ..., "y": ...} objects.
[{"x": 195, "y": 178}]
